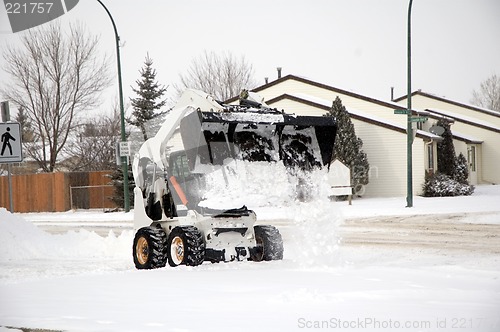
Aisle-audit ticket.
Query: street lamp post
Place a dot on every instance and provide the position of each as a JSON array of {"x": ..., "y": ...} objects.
[
  {"x": 409, "y": 130},
  {"x": 123, "y": 159}
]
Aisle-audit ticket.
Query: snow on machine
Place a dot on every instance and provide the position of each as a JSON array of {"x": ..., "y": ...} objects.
[{"x": 198, "y": 136}]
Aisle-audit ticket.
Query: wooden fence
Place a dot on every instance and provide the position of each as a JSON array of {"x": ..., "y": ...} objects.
[{"x": 50, "y": 192}]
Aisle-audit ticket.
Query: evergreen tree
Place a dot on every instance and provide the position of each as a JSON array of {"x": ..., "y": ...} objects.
[
  {"x": 117, "y": 181},
  {"x": 462, "y": 170},
  {"x": 452, "y": 176},
  {"x": 26, "y": 126},
  {"x": 446, "y": 151},
  {"x": 348, "y": 147},
  {"x": 148, "y": 91}
]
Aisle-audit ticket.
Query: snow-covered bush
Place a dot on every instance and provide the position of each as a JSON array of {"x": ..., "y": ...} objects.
[{"x": 440, "y": 185}]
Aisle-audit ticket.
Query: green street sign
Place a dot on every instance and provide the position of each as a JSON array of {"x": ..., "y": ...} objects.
[
  {"x": 400, "y": 112},
  {"x": 419, "y": 119}
]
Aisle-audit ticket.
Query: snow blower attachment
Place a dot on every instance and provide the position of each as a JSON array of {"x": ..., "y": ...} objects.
[{"x": 198, "y": 136}]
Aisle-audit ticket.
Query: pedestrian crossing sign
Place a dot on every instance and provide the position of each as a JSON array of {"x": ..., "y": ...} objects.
[{"x": 10, "y": 143}]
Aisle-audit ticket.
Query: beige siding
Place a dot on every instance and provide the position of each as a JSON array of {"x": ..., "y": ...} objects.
[
  {"x": 295, "y": 87},
  {"x": 488, "y": 153},
  {"x": 288, "y": 86},
  {"x": 424, "y": 102},
  {"x": 175, "y": 143},
  {"x": 290, "y": 106},
  {"x": 386, "y": 152},
  {"x": 479, "y": 163},
  {"x": 488, "y": 158},
  {"x": 460, "y": 147}
]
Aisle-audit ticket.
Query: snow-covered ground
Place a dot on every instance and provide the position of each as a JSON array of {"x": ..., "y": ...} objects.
[{"x": 371, "y": 266}]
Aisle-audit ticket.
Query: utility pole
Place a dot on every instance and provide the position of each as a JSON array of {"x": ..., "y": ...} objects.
[
  {"x": 409, "y": 121},
  {"x": 409, "y": 129},
  {"x": 124, "y": 160}
]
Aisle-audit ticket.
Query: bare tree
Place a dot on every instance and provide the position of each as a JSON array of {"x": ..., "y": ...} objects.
[
  {"x": 91, "y": 146},
  {"x": 55, "y": 76},
  {"x": 221, "y": 75},
  {"x": 488, "y": 95}
]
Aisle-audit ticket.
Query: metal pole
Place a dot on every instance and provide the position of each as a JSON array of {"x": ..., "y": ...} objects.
[
  {"x": 124, "y": 160},
  {"x": 409, "y": 130},
  {"x": 11, "y": 201}
]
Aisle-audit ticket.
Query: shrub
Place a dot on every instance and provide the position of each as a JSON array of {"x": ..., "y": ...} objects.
[{"x": 441, "y": 185}]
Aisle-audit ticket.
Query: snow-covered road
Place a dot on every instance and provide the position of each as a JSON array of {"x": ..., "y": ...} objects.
[
  {"x": 259, "y": 297},
  {"x": 366, "y": 267},
  {"x": 443, "y": 232}
]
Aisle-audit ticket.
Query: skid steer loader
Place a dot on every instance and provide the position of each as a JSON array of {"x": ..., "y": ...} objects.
[{"x": 198, "y": 136}]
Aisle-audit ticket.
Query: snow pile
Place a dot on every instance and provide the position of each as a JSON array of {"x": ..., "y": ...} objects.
[
  {"x": 21, "y": 240},
  {"x": 312, "y": 238},
  {"x": 254, "y": 184},
  {"x": 252, "y": 117},
  {"x": 484, "y": 200}
]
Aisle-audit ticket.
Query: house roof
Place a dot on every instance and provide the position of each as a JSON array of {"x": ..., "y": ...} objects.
[
  {"x": 355, "y": 114},
  {"x": 322, "y": 86},
  {"x": 466, "y": 138},
  {"x": 466, "y": 119},
  {"x": 340, "y": 91},
  {"x": 325, "y": 105},
  {"x": 452, "y": 102}
]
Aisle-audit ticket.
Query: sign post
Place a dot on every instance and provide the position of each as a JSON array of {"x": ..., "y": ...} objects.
[
  {"x": 5, "y": 111},
  {"x": 10, "y": 150}
]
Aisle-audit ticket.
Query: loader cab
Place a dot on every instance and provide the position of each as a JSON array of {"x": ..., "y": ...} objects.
[
  {"x": 178, "y": 166},
  {"x": 191, "y": 185}
]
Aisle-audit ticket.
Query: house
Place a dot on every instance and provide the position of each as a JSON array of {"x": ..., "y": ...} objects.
[
  {"x": 384, "y": 133},
  {"x": 476, "y": 133}
]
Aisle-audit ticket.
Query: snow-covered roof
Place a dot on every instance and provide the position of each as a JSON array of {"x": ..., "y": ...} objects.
[
  {"x": 462, "y": 137},
  {"x": 360, "y": 115},
  {"x": 305, "y": 80},
  {"x": 466, "y": 138},
  {"x": 466, "y": 119},
  {"x": 453, "y": 102}
]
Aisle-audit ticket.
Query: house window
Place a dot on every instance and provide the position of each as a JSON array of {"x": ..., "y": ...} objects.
[{"x": 430, "y": 157}]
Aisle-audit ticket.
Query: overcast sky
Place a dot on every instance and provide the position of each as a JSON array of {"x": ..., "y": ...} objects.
[{"x": 358, "y": 45}]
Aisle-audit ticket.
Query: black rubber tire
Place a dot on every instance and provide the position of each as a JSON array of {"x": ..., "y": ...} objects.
[
  {"x": 193, "y": 246},
  {"x": 150, "y": 248},
  {"x": 269, "y": 244}
]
